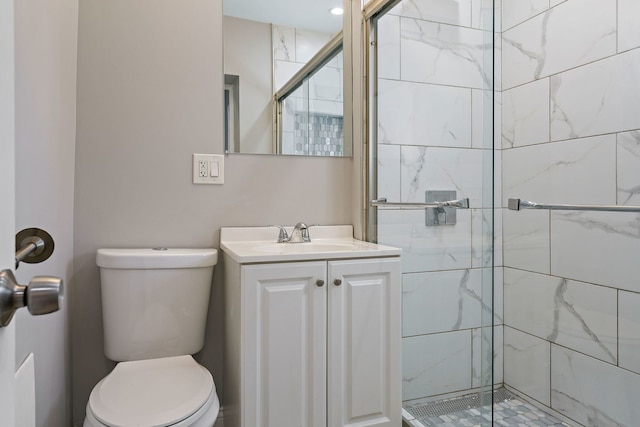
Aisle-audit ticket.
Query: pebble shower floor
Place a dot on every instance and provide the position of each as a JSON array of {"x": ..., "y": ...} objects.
[{"x": 509, "y": 411}]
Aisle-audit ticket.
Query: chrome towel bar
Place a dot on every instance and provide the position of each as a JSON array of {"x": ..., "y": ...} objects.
[
  {"x": 519, "y": 204},
  {"x": 382, "y": 203}
]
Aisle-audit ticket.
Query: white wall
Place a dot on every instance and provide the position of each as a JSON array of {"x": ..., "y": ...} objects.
[
  {"x": 571, "y": 134},
  {"x": 247, "y": 54},
  {"x": 46, "y": 52},
  {"x": 149, "y": 95}
]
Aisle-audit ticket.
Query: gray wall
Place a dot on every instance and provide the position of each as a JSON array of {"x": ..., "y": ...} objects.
[
  {"x": 149, "y": 95},
  {"x": 46, "y": 53}
]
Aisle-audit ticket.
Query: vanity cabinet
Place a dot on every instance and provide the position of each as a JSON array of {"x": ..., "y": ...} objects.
[{"x": 313, "y": 343}]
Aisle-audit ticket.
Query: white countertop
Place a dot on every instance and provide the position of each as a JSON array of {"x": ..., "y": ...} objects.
[{"x": 259, "y": 244}]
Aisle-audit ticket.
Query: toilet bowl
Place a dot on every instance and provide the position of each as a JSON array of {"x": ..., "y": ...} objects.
[
  {"x": 173, "y": 391},
  {"x": 154, "y": 311}
]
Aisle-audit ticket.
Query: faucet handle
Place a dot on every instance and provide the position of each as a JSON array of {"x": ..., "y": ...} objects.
[{"x": 282, "y": 235}]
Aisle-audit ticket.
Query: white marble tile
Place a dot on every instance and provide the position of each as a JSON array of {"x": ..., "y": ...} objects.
[
  {"x": 629, "y": 168},
  {"x": 483, "y": 227},
  {"x": 553, "y": 3},
  {"x": 485, "y": 105},
  {"x": 486, "y": 352},
  {"x": 436, "y": 364},
  {"x": 573, "y": 314},
  {"x": 389, "y": 172},
  {"x": 444, "y": 54},
  {"x": 629, "y": 330},
  {"x": 597, "y": 247},
  {"x": 592, "y": 392},
  {"x": 579, "y": 171},
  {"x": 435, "y": 168},
  {"x": 541, "y": 46},
  {"x": 441, "y": 301},
  {"x": 526, "y": 364},
  {"x": 283, "y": 71},
  {"x": 515, "y": 12},
  {"x": 526, "y": 240},
  {"x": 628, "y": 24},
  {"x": 423, "y": 114},
  {"x": 493, "y": 281},
  {"x": 482, "y": 12},
  {"x": 284, "y": 43},
  {"x": 598, "y": 98},
  {"x": 389, "y": 47},
  {"x": 308, "y": 43},
  {"x": 326, "y": 84},
  {"x": 525, "y": 114},
  {"x": 322, "y": 106},
  {"x": 426, "y": 248},
  {"x": 455, "y": 12}
]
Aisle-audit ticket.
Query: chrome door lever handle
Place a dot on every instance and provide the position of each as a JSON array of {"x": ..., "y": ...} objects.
[{"x": 41, "y": 296}]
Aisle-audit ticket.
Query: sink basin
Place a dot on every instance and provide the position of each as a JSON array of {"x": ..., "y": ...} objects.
[
  {"x": 294, "y": 248},
  {"x": 257, "y": 245}
]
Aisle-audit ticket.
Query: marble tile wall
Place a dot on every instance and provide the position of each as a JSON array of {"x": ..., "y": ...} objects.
[
  {"x": 434, "y": 128},
  {"x": 321, "y": 95},
  {"x": 571, "y": 134}
]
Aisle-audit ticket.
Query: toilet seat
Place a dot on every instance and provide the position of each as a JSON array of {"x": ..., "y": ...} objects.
[{"x": 155, "y": 392}]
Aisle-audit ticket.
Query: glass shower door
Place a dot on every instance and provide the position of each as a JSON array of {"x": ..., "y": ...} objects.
[{"x": 431, "y": 109}]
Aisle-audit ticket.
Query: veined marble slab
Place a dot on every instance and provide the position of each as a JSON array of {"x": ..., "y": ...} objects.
[
  {"x": 526, "y": 364},
  {"x": 574, "y": 314},
  {"x": 389, "y": 171},
  {"x": 597, "y": 247},
  {"x": 525, "y": 114},
  {"x": 629, "y": 330},
  {"x": 423, "y": 114},
  {"x": 483, "y": 254},
  {"x": 457, "y": 12},
  {"x": 629, "y": 168},
  {"x": 426, "y": 248},
  {"x": 571, "y": 34},
  {"x": 284, "y": 43},
  {"x": 486, "y": 352},
  {"x": 444, "y": 54},
  {"x": 442, "y": 301},
  {"x": 516, "y": 12},
  {"x": 575, "y": 172},
  {"x": 437, "y": 168},
  {"x": 436, "y": 364},
  {"x": 628, "y": 24},
  {"x": 526, "y": 240},
  {"x": 389, "y": 47},
  {"x": 598, "y": 98},
  {"x": 592, "y": 392}
]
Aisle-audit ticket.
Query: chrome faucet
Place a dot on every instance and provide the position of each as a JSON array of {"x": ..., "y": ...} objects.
[{"x": 299, "y": 234}]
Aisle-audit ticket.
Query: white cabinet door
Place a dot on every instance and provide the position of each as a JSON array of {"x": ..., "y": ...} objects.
[
  {"x": 285, "y": 351},
  {"x": 364, "y": 381}
]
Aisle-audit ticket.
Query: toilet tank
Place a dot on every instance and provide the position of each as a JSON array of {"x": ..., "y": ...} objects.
[{"x": 154, "y": 301}]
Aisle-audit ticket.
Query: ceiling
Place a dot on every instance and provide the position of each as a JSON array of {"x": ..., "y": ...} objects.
[{"x": 307, "y": 14}]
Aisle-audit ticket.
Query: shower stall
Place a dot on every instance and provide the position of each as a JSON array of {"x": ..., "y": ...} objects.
[{"x": 524, "y": 308}]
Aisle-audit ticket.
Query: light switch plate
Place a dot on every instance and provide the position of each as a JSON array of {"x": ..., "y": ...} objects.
[{"x": 208, "y": 169}]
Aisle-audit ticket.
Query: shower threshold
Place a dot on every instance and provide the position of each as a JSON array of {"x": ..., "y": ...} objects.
[{"x": 471, "y": 411}]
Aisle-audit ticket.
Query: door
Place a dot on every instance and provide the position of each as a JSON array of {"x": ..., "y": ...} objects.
[
  {"x": 285, "y": 316},
  {"x": 7, "y": 201},
  {"x": 364, "y": 343}
]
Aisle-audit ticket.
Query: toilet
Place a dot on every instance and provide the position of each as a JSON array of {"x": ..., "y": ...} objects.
[{"x": 154, "y": 309}]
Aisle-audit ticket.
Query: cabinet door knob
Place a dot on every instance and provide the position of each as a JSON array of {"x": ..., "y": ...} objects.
[
  {"x": 319, "y": 282},
  {"x": 337, "y": 282}
]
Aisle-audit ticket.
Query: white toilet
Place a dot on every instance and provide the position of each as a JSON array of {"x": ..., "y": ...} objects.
[{"x": 154, "y": 305}]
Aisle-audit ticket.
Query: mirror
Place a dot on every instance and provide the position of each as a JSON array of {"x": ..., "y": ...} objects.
[{"x": 292, "y": 50}]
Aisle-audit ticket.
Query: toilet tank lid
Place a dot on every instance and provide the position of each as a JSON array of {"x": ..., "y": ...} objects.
[{"x": 156, "y": 258}]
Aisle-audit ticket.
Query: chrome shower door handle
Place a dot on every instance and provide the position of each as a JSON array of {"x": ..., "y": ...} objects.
[{"x": 42, "y": 295}]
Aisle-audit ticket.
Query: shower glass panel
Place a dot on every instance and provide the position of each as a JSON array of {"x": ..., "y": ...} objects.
[
  {"x": 431, "y": 127},
  {"x": 311, "y": 117}
]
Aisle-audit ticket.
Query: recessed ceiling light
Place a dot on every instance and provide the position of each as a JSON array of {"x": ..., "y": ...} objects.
[{"x": 336, "y": 11}]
